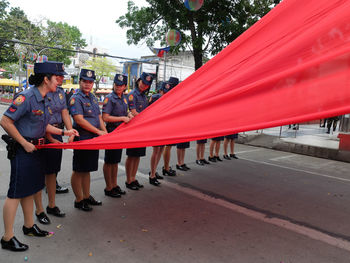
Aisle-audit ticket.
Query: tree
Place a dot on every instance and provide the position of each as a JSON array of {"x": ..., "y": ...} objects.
[
  {"x": 103, "y": 67},
  {"x": 14, "y": 24},
  {"x": 206, "y": 31}
]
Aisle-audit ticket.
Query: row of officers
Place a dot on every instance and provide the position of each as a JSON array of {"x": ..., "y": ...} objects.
[{"x": 40, "y": 115}]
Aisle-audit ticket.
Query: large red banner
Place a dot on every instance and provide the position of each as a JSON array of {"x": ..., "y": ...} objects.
[{"x": 291, "y": 66}]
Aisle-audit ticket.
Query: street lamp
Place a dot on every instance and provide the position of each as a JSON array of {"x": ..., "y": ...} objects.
[{"x": 21, "y": 51}]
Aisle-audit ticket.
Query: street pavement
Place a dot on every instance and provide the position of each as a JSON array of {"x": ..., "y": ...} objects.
[{"x": 267, "y": 206}]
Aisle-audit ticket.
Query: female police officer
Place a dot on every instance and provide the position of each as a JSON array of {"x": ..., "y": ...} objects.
[
  {"x": 59, "y": 117},
  {"x": 114, "y": 113},
  {"x": 137, "y": 102},
  {"x": 26, "y": 121},
  {"x": 85, "y": 110}
]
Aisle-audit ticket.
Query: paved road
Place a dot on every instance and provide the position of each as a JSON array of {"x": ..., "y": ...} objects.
[{"x": 268, "y": 206}]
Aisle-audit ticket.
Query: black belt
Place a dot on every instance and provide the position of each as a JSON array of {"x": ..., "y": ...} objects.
[
  {"x": 58, "y": 125},
  {"x": 39, "y": 141}
]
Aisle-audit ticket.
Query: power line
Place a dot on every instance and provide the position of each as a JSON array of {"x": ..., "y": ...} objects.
[{"x": 75, "y": 51}]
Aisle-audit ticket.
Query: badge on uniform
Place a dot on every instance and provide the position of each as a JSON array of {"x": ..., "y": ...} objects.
[
  {"x": 87, "y": 104},
  {"x": 19, "y": 100},
  {"x": 131, "y": 97},
  {"x": 105, "y": 101},
  {"x": 12, "y": 109},
  {"x": 125, "y": 101},
  {"x": 61, "y": 96},
  {"x": 50, "y": 111},
  {"x": 38, "y": 112},
  {"x": 72, "y": 101}
]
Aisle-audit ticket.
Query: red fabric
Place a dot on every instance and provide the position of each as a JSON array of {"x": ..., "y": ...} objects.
[{"x": 291, "y": 66}]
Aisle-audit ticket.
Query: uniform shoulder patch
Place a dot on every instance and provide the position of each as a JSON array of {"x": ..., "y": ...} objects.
[
  {"x": 131, "y": 97},
  {"x": 19, "y": 100},
  {"x": 72, "y": 101},
  {"x": 105, "y": 101}
]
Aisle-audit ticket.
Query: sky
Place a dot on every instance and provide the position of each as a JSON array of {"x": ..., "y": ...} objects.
[{"x": 95, "y": 20}]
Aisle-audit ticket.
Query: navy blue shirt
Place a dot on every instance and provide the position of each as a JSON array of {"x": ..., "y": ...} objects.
[
  {"x": 115, "y": 106},
  {"x": 86, "y": 105},
  {"x": 137, "y": 100},
  {"x": 29, "y": 111},
  {"x": 57, "y": 103},
  {"x": 154, "y": 98}
]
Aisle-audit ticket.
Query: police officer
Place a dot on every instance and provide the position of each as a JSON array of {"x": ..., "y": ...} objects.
[
  {"x": 137, "y": 101},
  {"x": 59, "y": 117},
  {"x": 215, "y": 144},
  {"x": 85, "y": 110},
  {"x": 230, "y": 139},
  {"x": 200, "y": 149},
  {"x": 26, "y": 121},
  {"x": 157, "y": 150},
  {"x": 167, "y": 170},
  {"x": 114, "y": 113}
]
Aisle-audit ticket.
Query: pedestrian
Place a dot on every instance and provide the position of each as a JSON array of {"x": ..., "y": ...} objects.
[
  {"x": 200, "y": 149},
  {"x": 157, "y": 150},
  {"x": 114, "y": 113},
  {"x": 215, "y": 143},
  {"x": 230, "y": 139},
  {"x": 167, "y": 170},
  {"x": 26, "y": 121},
  {"x": 59, "y": 118},
  {"x": 85, "y": 110},
  {"x": 181, "y": 151},
  {"x": 137, "y": 101},
  {"x": 70, "y": 94},
  {"x": 332, "y": 122}
]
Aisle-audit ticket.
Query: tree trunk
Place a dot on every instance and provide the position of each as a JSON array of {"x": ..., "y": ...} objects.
[{"x": 198, "y": 58}]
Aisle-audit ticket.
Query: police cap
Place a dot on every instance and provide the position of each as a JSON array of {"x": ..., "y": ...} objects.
[
  {"x": 120, "y": 79},
  {"x": 87, "y": 74}
]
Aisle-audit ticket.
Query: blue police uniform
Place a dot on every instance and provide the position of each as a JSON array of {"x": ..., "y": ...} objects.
[
  {"x": 86, "y": 105},
  {"x": 57, "y": 103},
  {"x": 154, "y": 98},
  {"x": 30, "y": 114},
  {"x": 137, "y": 100},
  {"x": 114, "y": 106},
  {"x": 232, "y": 136}
]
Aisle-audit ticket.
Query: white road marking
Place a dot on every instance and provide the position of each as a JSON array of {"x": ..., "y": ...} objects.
[
  {"x": 298, "y": 170},
  {"x": 249, "y": 151},
  {"x": 283, "y": 157}
]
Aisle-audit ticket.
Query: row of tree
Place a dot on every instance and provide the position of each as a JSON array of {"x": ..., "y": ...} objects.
[
  {"x": 205, "y": 32},
  {"x": 15, "y": 25}
]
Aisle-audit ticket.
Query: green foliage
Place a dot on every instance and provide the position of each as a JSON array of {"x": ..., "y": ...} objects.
[
  {"x": 206, "y": 31},
  {"x": 103, "y": 67},
  {"x": 14, "y": 24}
]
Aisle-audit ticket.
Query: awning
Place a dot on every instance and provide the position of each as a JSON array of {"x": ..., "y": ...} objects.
[
  {"x": 9, "y": 82},
  {"x": 70, "y": 86}
]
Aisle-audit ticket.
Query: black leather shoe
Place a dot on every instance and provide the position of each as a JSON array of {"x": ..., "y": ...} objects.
[
  {"x": 205, "y": 161},
  {"x": 169, "y": 172},
  {"x": 34, "y": 231},
  {"x": 119, "y": 190},
  {"x": 199, "y": 162},
  {"x": 179, "y": 167},
  {"x": 92, "y": 201},
  {"x": 55, "y": 211},
  {"x": 154, "y": 181},
  {"x": 43, "y": 219},
  {"x": 218, "y": 158},
  {"x": 82, "y": 205},
  {"x": 137, "y": 184},
  {"x": 61, "y": 189},
  {"x": 131, "y": 186},
  {"x": 233, "y": 156},
  {"x": 159, "y": 176},
  {"x": 227, "y": 157},
  {"x": 212, "y": 159},
  {"x": 112, "y": 193},
  {"x": 186, "y": 167},
  {"x": 13, "y": 244}
]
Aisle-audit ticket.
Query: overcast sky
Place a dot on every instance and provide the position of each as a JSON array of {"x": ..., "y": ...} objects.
[{"x": 95, "y": 20}]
